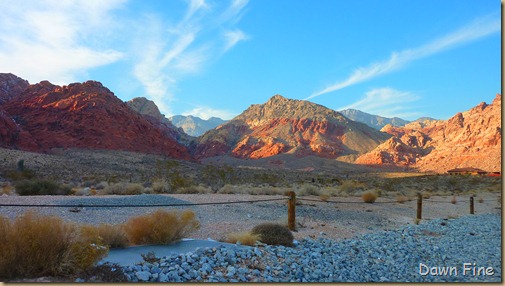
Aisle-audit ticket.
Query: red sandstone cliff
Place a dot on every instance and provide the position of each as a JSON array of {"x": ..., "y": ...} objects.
[
  {"x": 82, "y": 115},
  {"x": 468, "y": 139}
]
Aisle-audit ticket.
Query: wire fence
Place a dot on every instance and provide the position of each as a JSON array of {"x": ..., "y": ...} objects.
[
  {"x": 135, "y": 206},
  {"x": 290, "y": 198}
]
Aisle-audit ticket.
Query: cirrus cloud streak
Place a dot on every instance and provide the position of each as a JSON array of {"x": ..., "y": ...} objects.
[{"x": 478, "y": 29}]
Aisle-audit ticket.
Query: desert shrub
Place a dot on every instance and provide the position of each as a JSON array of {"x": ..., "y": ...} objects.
[
  {"x": 150, "y": 257},
  {"x": 426, "y": 195},
  {"x": 402, "y": 199},
  {"x": 82, "y": 192},
  {"x": 228, "y": 189},
  {"x": 194, "y": 190},
  {"x": 265, "y": 190},
  {"x": 308, "y": 190},
  {"x": 6, "y": 189},
  {"x": 244, "y": 238},
  {"x": 324, "y": 197},
  {"x": 273, "y": 234},
  {"x": 37, "y": 187},
  {"x": 161, "y": 187},
  {"x": 112, "y": 235},
  {"x": 86, "y": 249},
  {"x": 349, "y": 186},
  {"x": 481, "y": 200},
  {"x": 101, "y": 185},
  {"x": 160, "y": 227},
  {"x": 369, "y": 197},
  {"x": 123, "y": 189},
  {"x": 34, "y": 245}
]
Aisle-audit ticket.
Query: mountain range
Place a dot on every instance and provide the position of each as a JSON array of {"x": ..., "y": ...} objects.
[
  {"x": 40, "y": 117},
  {"x": 374, "y": 121},
  {"x": 289, "y": 126},
  {"x": 43, "y": 116},
  {"x": 195, "y": 126}
]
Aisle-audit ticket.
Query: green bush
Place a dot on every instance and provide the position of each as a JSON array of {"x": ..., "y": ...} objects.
[
  {"x": 273, "y": 234},
  {"x": 42, "y": 187}
]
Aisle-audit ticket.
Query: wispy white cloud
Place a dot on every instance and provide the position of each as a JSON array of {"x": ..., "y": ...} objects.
[
  {"x": 45, "y": 39},
  {"x": 194, "y": 6},
  {"x": 479, "y": 28},
  {"x": 206, "y": 112},
  {"x": 387, "y": 102},
  {"x": 233, "y": 37},
  {"x": 234, "y": 12},
  {"x": 166, "y": 53}
]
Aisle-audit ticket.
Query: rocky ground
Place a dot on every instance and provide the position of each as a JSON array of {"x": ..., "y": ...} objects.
[
  {"x": 328, "y": 222},
  {"x": 337, "y": 219}
]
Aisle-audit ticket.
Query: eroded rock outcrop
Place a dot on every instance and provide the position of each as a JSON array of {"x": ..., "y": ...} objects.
[
  {"x": 468, "y": 139},
  {"x": 84, "y": 115},
  {"x": 296, "y": 127}
]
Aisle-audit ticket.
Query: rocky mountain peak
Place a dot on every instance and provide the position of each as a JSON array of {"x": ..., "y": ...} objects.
[
  {"x": 468, "y": 139},
  {"x": 194, "y": 125},
  {"x": 145, "y": 106},
  {"x": 296, "y": 127},
  {"x": 277, "y": 99},
  {"x": 374, "y": 121},
  {"x": 83, "y": 115},
  {"x": 11, "y": 86}
]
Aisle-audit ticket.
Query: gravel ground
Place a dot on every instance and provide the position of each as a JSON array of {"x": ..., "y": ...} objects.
[
  {"x": 336, "y": 242},
  {"x": 314, "y": 219},
  {"x": 468, "y": 248}
]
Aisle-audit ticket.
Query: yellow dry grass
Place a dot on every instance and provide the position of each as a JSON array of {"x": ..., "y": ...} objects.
[{"x": 245, "y": 238}]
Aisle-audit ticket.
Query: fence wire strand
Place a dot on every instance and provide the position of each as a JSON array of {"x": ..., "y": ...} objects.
[
  {"x": 336, "y": 202},
  {"x": 138, "y": 206}
]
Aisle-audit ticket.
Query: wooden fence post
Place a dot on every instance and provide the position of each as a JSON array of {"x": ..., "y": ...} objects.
[
  {"x": 419, "y": 206},
  {"x": 291, "y": 210},
  {"x": 471, "y": 205}
]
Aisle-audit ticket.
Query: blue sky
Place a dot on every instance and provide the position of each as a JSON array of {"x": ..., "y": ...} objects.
[{"x": 216, "y": 57}]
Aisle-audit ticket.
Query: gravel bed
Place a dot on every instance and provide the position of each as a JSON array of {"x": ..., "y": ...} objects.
[
  {"x": 90, "y": 215},
  {"x": 386, "y": 256}
]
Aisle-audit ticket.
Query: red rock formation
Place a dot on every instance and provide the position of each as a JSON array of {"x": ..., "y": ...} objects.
[
  {"x": 289, "y": 126},
  {"x": 468, "y": 139},
  {"x": 86, "y": 115},
  {"x": 11, "y": 86},
  {"x": 12, "y": 136},
  {"x": 149, "y": 110}
]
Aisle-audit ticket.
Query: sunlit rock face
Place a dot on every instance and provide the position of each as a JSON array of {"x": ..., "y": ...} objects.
[
  {"x": 296, "y": 127},
  {"x": 468, "y": 139}
]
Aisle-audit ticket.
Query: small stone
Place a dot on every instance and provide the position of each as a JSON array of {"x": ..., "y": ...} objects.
[
  {"x": 146, "y": 268},
  {"x": 163, "y": 277},
  {"x": 231, "y": 271},
  {"x": 143, "y": 275}
]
